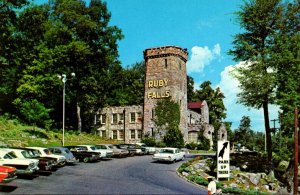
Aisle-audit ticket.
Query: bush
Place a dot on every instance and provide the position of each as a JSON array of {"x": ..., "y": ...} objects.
[
  {"x": 198, "y": 179},
  {"x": 149, "y": 141},
  {"x": 191, "y": 146}
]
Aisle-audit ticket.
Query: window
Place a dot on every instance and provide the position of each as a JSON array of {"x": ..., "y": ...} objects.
[
  {"x": 103, "y": 118},
  {"x": 121, "y": 118},
  {"x": 152, "y": 114},
  {"x": 179, "y": 65},
  {"x": 103, "y": 134},
  {"x": 166, "y": 63},
  {"x": 121, "y": 134},
  {"x": 139, "y": 117},
  {"x": 139, "y": 135},
  {"x": 115, "y": 134},
  {"x": 132, "y": 134},
  {"x": 114, "y": 119},
  {"x": 132, "y": 117}
]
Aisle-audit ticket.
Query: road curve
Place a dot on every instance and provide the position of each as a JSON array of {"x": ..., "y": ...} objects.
[{"x": 132, "y": 175}]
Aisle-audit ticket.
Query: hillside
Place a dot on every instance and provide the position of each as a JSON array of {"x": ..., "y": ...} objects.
[{"x": 13, "y": 133}]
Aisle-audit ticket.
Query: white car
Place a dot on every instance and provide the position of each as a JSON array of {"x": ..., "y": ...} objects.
[
  {"x": 169, "y": 154},
  {"x": 45, "y": 152},
  {"x": 23, "y": 166}
]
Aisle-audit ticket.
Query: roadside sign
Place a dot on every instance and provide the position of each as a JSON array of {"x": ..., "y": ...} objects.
[{"x": 223, "y": 166}]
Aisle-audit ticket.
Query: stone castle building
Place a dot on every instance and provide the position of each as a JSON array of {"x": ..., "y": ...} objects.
[{"x": 165, "y": 76}]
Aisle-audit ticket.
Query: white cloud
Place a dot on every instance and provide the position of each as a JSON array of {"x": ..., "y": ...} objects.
[
  {"x": 202, "y": 56},
  {"x": 235, "y": 111}
]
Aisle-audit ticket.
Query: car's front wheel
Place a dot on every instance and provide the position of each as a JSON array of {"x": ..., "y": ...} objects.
[{"x": 86, "y": 159}]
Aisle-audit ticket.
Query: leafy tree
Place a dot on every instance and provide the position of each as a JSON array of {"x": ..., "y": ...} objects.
[
  {"x": 127, "y": 86},
  {"x": 35, "y": 113},
  {"x": 214, "y": 99},
  {"x": 167, "y": 119},
  {"x": 285, "y": 55},
  {"x": 190, "y": 89},
  {"x": 9, "y": 60},
  {"x": 72, "y": 37},
  {"x": 258, "y": 18}
]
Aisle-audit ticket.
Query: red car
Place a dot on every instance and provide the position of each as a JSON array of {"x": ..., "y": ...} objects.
[{"x": 7, "y": 174}]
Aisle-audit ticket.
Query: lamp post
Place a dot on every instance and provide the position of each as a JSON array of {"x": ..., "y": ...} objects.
[{"x": 63, "y": 78}]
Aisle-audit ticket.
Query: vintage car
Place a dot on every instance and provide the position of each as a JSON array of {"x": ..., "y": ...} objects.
[
  {"x": 65, "y": 152},
  {"x": 82, "y": 155},
  {"x": 45, "y": 152},
  {"x": 92, "y": 148},
  {"x": 169, "y": 154},
  {"x": 25, "y": 153},
  {"x": 105, "y": 149},
  {"x": 117, "y": 152},
  {"x": 7, "y": 174},
  {"x": 133, "y": 149},
  {"x": 23, "y": 166},
  {"x": 148, "y": 149}
]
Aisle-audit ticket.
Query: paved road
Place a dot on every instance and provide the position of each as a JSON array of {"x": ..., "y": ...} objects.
[{"x": 132, "y": 175}]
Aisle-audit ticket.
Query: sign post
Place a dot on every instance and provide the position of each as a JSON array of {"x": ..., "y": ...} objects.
[{"x": 223, "y": 166}]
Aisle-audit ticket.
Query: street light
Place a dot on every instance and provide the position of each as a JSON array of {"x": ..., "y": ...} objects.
[{"x": 63, "y": 78}]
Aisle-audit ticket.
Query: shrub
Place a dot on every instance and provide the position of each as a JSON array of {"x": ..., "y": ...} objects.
[{"x": 149, "y": 141}]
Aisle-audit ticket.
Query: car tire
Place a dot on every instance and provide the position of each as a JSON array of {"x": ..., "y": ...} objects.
[
  {"x": 182, "y": 158},
  {"x": 86, "y": 159},
  {"x": 174, "y": 161}
]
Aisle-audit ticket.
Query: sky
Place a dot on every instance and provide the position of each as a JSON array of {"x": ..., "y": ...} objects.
[{"x": 204, "y": 27}]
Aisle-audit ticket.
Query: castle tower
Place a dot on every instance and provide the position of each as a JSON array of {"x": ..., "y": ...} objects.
[{"x": 165, "y": 77}]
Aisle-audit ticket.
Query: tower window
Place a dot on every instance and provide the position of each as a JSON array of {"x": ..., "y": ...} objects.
[
  {"x": 179, "y": 65},
  {"x": 166, "y": 63}
]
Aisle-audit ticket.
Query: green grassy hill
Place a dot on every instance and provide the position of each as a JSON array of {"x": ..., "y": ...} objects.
[{"x": 15, "y": 134}]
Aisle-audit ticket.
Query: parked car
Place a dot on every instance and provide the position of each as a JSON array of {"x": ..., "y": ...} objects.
[
  {"x": 125, "y": 147},
  {"x": 70, "y": 158},
  {"x": 117, "y": 152},
  {"x": 169, "y": 154},
  {"x": 23, "y": 166},
  {"x": 133, "y": 149},
  {"x": 148, "y": 149},
  {"x": 83, "y": 155},
  {"x": 44, "y": 164},
  {"x": 92, "y": 148},
  {"x": 105, "y": 149},
  {"x": 45, "y": 152},
  {"x": 7, "y": 174}
]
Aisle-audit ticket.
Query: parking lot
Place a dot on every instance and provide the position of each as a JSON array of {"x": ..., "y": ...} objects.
[{"x": 131, "y": 175}]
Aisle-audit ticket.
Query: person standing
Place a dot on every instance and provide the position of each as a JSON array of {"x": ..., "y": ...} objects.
[{"x": 212, "y": 186}]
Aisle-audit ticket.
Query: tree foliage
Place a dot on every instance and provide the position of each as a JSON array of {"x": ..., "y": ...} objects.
[
  {"x": 259, "y": 19},
  {"x": 167, "y": 120}
]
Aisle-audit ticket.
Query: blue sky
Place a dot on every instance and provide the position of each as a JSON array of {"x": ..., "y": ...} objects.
[{"x": 204, "y": 27}]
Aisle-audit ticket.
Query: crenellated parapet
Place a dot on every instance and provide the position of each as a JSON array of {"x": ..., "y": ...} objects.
[{"x": 165, "y": 51}]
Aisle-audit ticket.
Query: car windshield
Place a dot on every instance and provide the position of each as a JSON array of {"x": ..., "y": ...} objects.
[
  {"x": 166, "y": 151},
  {"x": 67, "y": 150},
  {"x": 26, "y": 154}
]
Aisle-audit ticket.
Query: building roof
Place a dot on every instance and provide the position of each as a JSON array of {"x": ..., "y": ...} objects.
[{"x": 195, "y": 105}]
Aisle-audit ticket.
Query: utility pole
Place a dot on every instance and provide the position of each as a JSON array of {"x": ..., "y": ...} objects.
[{"x": 296, "y": 153}]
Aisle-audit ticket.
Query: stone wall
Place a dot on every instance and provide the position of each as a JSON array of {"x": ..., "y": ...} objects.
[{"x": 113, "y": 128}]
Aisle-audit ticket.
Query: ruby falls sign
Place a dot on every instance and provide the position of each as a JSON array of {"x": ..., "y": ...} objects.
[{"x": 223, "y": 165}]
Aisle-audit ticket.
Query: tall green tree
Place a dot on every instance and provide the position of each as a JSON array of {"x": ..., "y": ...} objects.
[
  {"x": 214, "y": 99},
  {"x": 10, "y": 63},
  {"x": 75, "y": 38},
  {"x": 190, "y": 89},
  {"x": 286, "y": 62},
  {"x": 258, "y": 19}
]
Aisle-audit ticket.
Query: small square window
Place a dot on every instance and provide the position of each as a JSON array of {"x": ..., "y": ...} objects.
[
  {"x": 132, "y": 117},
  {"x": 132, "y": 134}
]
